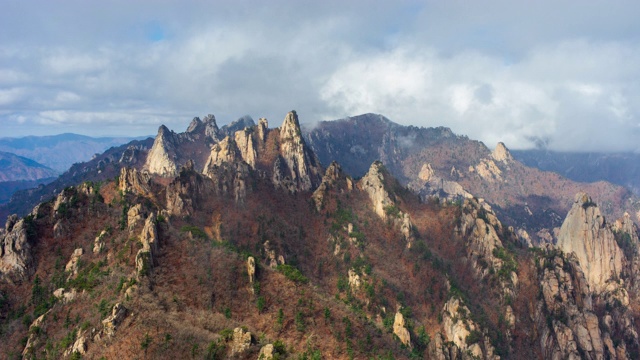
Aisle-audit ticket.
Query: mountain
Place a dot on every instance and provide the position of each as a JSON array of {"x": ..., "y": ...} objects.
[
  {"x": 435, "y": 161},
  {"x": 261, "y": 252},
  {"x": 14, "y": 167},
  {"x": 617, "y": 168},
  {"x": 18, "y": 173},
  {"x": 59, "y": 152}
]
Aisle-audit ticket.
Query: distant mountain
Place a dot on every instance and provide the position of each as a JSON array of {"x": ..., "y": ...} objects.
[
  {"x": 435, "y": 161},
  {"x": 59, "y": 152},
  {"x": 618, "y": 168},
  {"x": 14, "y": 167}
]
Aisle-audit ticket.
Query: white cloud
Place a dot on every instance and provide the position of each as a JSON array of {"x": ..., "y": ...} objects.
[{"x": 493, "y": 71}]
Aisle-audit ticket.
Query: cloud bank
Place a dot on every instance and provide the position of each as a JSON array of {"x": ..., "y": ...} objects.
[{"x": 562, "y": 75}]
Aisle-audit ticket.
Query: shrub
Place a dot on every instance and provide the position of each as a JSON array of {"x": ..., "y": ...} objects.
[{"x": 292, "y": 273}]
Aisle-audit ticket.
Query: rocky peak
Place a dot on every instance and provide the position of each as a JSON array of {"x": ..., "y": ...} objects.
[
  {"x": 162, "y": 157},
  {"x": 297, "y": 168},
  {"x": 501, "y": 153},
  {"x": 194, "y": 125},
  {"x": 226, "y": 151},
  {"x": 237, "y": 125},
  {"x": 207, "y": 127},
  {"x": 210, "y": 127},
  {"x": 334, "y": 178},
  {"x": 373, "y": 183},
  {"x": 263, "y": 127},
  {"x": 244, "y": 142},
  {"x": 586, "y": 233}
]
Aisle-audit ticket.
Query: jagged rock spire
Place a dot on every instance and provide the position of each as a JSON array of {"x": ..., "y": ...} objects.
[{"x": 162, "y": 157}]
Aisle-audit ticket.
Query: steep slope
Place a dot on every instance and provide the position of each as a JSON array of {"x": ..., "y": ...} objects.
[{"x": 436, "y": 161}]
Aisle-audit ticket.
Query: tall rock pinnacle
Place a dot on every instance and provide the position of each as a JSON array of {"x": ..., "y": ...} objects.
[
  {"x": 585, "y": 233},
  {"x": 162, "y": 157}
]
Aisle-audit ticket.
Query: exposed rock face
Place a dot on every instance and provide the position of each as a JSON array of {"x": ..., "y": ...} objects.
[
  {"x": 98, "y": 243},
  {"x": 586, "y": 233},
  {"x": 251, "y": 268},
  {"x": 185, "y": 192},
  {"x": 263, "y": 128},
  {"x": 354, "y": 280},
  {"x": 72, "y": 265},
  {"x": 479, "y": 226},
  {"x": 15, "y": 250},
  {"x": 429, "y": 184},
  {"x": 272, "y": 259},
  {"x": 241, "y": 341},
  {"x": 162, "y": 157},
  {"x": 458, "y": 327},
  {"x": 206, "y": 127},
  {"x": 566, "y": 315},
  {"x": 33, "y": 337},
  {"x": 626, "y": 234},
  {"x": 246, "y": 146},
  {"x": 400, "y": 330},
  {"x": 266, "y": 352},
  {"x": 64, "y": 295},
  {"x": 298, "y": 168},
  {"x": 501, "y": 153},
  {"x": 334, "y": 179},
  {"x": 59, "y": 229},
  {"x": 226, "y": 151},
  {"x": 135, "y": 215},
  {"x": 373, "y": 184},
  {"x": 135, "y": 182},
  {"x": 149, "y": 238},
  {"x": 110, "y": 324}
]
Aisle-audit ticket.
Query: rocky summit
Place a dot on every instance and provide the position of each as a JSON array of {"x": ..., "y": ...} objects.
[{"x": 357, "y": 239}]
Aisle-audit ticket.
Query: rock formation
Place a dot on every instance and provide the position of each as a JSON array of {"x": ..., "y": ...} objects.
[
  {"x": 501, "y": 154},
  {"x": 586, "y": 234},
  {"x": 241, "y": 341},
  {"x": 133, "y": 181},
  {"x": 72, "y": 265},
  {"x": 374, "y": 184},
  {"x": 333, "y": 179},
  {"x": 111, "y": 323},
  {"x": 186, "y": 191},
  {"x": 266, "y": 352},
  {"x": 251, "y": 268},
  {"x": 135, "y": 215},
  {"x": 567, "y": 315},
  {"x": 297, "y": 168},
  {"x": 149, "y": 237},
  {"x": 400, "y": 330},
  {"x": 162, "y": 157},
  {"x": 246, "y": 146},
  {"x": 460, "y": 329},
  {"x": 15, "y": 250}
]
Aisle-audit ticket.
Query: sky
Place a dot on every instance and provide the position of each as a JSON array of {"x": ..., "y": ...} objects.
[{"x": 563, "y": 75}]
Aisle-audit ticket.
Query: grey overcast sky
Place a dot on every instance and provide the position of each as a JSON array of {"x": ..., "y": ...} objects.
[{"x": 562, "y": 74}]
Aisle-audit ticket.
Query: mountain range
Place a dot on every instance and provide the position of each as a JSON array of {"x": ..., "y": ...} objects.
[
  {"x": 356, "y": 238},
  {"x": 59, "y": 152}
]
